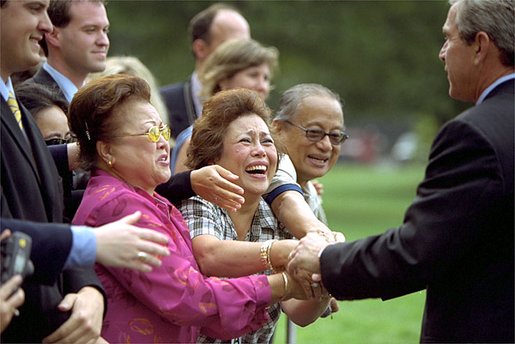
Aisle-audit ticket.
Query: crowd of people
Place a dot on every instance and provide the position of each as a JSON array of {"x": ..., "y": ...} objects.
[{"x": 192, "y": 213}]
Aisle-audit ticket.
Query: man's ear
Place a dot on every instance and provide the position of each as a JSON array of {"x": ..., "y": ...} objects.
[
  {"x": 278, "y": 126},
  {"x": 200, "y": 49},
  {"x": 482, "y": 43},
  {"x": 53, "y": 38}
]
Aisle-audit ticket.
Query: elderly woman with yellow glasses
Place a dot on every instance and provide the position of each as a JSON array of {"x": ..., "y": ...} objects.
[{"x": 125, "y": 144}]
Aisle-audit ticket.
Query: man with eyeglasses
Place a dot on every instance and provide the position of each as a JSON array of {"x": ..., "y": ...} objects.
[{"x": 309, "y": 126}]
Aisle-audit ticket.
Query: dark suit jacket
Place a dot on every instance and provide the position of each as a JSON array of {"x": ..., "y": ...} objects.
[
  {"x": 48, "y": 240},
  {"x": 31, "y": 190},
  {"x": 42, "y": 77},
  {"x": 179, "y": 102},
  {"x": 457, "y": 238},
  {"x": 71, "y": 195}
]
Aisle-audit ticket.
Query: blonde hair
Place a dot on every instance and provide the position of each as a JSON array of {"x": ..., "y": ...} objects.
[
  {"x": 133, "y": 66},
  {"x": 231, "y": 57}
]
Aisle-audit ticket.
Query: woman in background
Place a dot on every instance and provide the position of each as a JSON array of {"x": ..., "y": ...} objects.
[
  {"x": 236, "y": 63},
  {"x": 131, "y": 65},
  {"x": 49, "y": 111}
]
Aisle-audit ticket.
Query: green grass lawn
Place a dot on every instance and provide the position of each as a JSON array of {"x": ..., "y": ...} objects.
[{"x": 362, "y": 201}]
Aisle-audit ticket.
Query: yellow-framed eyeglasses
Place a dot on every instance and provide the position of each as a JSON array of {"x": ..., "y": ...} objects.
[{"x": 154, "y": 133}]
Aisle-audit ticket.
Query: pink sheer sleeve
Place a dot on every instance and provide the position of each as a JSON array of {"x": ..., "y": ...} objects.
[{"x": 177, "y": 290}]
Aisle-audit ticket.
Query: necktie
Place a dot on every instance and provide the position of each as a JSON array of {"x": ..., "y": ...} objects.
[{"x": 13, "y": 105}]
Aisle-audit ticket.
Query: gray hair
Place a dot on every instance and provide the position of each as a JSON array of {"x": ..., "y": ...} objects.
[
  {"x": 292, "y": 98},
  {"x": 494, "y": 17}
]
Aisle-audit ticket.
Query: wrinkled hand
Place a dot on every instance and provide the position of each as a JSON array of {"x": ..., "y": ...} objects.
[
  {"x": 296, "y": 290},
  {"x": 9, "y": 301},
  {"x": 304, "y": 264},
  {"x": 118, "y": 244},
  {"x": 216, "y": 185},
  {"x": 85, "y": 322}
]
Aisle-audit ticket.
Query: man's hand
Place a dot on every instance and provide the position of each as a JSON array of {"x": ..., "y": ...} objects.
[
  {"x": 304, "y": 264},
  {"x": 85, "y": 322},
  {"x": 216, "y": 185},
  {"x": 11, "y": 297},
  {"x": 120, "y": 244}
]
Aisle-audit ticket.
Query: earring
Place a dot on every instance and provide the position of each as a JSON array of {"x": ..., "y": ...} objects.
[{"x": 110, "y": 163}]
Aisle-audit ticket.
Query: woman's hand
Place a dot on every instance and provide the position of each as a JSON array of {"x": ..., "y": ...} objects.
[
  {"x": 216, "y": 185},
  {"x": 120, "y": 244}
]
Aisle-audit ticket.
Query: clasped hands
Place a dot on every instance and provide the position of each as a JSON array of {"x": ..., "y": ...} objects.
[{"x": 304, "y": 261}]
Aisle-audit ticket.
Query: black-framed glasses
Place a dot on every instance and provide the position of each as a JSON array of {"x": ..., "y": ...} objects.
[
  {"x": 315, "y": 135},
  {"x": 58, "y": 141},
  {"x": 154, "y": 133}
]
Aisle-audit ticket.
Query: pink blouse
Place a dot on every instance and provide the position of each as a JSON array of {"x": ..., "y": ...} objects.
[{"x": 174, "y": 302}]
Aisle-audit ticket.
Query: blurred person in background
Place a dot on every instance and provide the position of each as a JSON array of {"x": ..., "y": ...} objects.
[
  {"x": 236, "y": 63},
  {"x": 133, "y": 66},
  {"x": 457, "y": 238},
  {"x": 208, "y": 29}
]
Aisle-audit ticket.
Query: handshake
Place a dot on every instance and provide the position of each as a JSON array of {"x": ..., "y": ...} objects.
[{"x": 301, "y": 259}]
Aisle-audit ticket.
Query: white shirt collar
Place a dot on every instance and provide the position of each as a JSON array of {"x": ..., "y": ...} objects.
[
  {"x": 6, "y": 88},
  {"x": 68, "y": 88}
]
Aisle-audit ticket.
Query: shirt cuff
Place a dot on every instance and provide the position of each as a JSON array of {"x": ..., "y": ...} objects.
[{"x": 84, "y": 248}]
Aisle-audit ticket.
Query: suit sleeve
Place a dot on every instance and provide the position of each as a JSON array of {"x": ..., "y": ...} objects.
[
  {"x": 457, "y": 198},
  {"x": 48, "y": 240},
  {"x": 178, "y": 188}
]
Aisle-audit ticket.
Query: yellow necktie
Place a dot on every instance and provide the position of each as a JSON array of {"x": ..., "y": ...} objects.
[{"x": 13, "y": 105}]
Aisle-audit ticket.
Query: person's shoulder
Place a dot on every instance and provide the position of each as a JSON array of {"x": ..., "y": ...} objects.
[
  {"x": 41, "y": 77},
  {"x": 172, "y": 88},
  {"x": 196, "y": 205}
]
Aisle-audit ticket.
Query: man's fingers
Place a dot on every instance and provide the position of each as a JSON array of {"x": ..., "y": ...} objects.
[
  {"x": 10, "y": 286},
  {"x": 67, "y": 303},
  {"x": 226, "y": 173},
  {"x": 150, "y": 235},
  {"x": 5, "y": 234},
  {"x": 131, "y": 219}
]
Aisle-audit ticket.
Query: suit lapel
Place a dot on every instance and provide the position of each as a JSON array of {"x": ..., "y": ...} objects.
[{"x": 17, "y": 135}]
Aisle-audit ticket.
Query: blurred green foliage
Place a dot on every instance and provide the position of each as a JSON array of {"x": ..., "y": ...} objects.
[{"x": 380, "y": 56}]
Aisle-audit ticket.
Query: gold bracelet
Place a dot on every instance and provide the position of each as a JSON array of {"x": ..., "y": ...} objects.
[
  {"x": 285, "y": 279},
  {"x": 269, "y": 255},
  {"x": 264, "y": 254}
]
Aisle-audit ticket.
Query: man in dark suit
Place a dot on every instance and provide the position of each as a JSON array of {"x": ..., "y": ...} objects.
[
  {"x": 208, "y": 29},
  {"x": 31, "y": 190},
  {"x": 457, "y": 239},
  {"x": 70, "y": 310}
]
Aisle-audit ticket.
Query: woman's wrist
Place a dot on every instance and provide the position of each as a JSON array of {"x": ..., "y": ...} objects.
[{"x": 265, "y": 254}]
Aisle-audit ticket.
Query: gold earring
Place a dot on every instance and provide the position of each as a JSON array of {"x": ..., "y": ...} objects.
[{"x": 110, "y": 163}]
